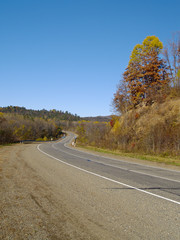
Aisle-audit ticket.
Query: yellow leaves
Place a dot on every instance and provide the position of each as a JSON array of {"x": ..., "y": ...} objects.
[
  {"x": 149, "y": 43},
  {"x": 53, "y": 110},
  {"x": 139, "y": 94},
  {"x": 152, "y": 42},
  {"x": 96, "y": 122},
  {"x": 2, "y": 118},
  {"x": 83, "y": 121},
  {"x": 18, "y": 131},
  {"x": 178, "y": 74},
  {"x": 135, "y": 55},
  {"x": 42, "y": 139},
  {"x": 117, "y": 126},
  {"x": 45, "y": 138}
]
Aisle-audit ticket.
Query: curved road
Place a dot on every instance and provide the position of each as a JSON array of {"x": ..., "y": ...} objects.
[
  {"x": 157, "y": 190},
  {"x": 158, "y": 182}
]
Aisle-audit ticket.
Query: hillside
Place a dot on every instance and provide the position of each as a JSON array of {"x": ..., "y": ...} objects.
[
  {"x": 98, "y": 119},
  {"x": 153, "y": 129},
  {"x": 19, "y": 124},
  {"x": 45, "y": 114}
]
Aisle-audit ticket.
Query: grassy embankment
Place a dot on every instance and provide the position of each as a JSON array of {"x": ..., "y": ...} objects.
[{"x": 169, "y": 160}]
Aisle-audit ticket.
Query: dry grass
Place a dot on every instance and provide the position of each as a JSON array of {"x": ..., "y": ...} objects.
[
  {"x": 147, "y": 157},
  {"x": 151, "y": 129},
  {"x": 149, "y": 133}
]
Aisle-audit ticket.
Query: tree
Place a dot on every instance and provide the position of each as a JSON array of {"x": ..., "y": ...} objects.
[
  {"x": 146, "y": 74},
  {"x": 121, "y": 99},
  {"x": 172, "y": 56}
]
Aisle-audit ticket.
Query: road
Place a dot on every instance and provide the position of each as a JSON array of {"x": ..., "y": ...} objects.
[
  {"x": 53, "y": 191},
  {"x": 158, "y": 182},
  {"x": 155, "y": 190}
]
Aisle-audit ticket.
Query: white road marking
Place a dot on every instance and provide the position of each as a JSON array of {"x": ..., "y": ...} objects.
[
  {"x": 109, "y": 179},
  {"x": 111, "y": 165},
  {"x": 60, "y": 150},
  {"x": 75, "y": 149}
]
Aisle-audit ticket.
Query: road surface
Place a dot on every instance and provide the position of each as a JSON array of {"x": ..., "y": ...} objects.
[
  {"x": 59, "y": 192},
  {"x": 158, "y": 182}
]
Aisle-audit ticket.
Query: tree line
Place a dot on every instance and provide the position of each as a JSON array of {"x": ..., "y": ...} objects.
[
  {"x": 45, "y": 114},
  {"x": 16, "y": 128},
  {"x": 19, "y": 124}
]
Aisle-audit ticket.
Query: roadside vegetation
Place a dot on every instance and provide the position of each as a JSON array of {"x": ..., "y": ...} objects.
[
  {"x": 147, "y": 105},
  {"x": 19, "y": 124},
  {"x": 166, "y": 159}
]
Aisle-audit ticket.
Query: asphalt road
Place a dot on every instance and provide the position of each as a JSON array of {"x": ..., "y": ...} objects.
[
  {"x": 144, "y": 199},
  {"x": 158, "y": 182},
  {"x": 53, "y": 191}
]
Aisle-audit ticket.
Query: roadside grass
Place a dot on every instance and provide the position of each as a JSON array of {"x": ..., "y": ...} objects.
[
  {"x": 169, "y": 160},
  {"x": 6, "y": 144}
]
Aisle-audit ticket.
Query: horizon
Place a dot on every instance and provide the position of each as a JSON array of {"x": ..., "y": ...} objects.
[{"x": 59, "y": 110}]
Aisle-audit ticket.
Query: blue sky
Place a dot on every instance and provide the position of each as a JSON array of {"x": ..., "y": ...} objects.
[{"x": 70, "y": 54}]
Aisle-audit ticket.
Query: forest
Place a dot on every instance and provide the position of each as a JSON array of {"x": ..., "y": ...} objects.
[
  {"x": 45, "y": 114},
  {"x": 19, "y": 124}
]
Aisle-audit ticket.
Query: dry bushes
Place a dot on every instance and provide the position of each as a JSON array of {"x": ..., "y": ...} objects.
[
  {"x": 14, "y": 128},
  {"x": 149, "y": 129}
]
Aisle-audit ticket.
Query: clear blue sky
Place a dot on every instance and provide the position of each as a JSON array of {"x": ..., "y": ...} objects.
[{"x": 70, "y": 54}]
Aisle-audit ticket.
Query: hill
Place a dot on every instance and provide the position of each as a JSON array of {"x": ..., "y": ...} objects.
[
  {"x": 19, "y": 124},
  {"x": 153, "y": 129},
  {"x": 98, "y": 119},
  {"x": 45, "y": 114}
]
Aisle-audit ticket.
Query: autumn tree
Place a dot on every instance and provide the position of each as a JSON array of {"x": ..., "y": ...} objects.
[
  {"x": 121, "y": 100},
  {"x": 15, "y": 127},
  {"x": 145, "y": 78}
]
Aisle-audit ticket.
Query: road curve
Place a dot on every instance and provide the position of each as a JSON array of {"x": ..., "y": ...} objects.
[
  {"x": 158, "y": 182},
  {"x": 152, "y": 193}
]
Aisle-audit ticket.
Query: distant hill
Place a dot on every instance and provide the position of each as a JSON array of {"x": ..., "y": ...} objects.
[
  {"x": 45, "y": 114},
  {"x": 98, "y": 118}
]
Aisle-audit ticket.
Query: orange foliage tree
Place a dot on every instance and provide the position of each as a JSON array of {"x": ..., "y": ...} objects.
[{"x": 146, "y": 77}]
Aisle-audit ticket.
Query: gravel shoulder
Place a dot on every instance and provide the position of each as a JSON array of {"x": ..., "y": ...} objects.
[
  {"x": 32, "y": 205},
  {"x": 41, "y": 198}
]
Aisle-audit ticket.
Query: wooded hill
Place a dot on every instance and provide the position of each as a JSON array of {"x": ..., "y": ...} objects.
[
  {"x": 19, "y": 124},
  {"x": 98, "y": 119},
  {"x": 45, "y": 114},
  {"x": 149, "y": 129}
]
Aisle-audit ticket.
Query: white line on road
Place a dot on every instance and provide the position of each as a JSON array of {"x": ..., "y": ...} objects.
[
  {"x": 109, "y": 179},
  {"x": 143, "y": 165},
  {"x": 111, "y": 165}
]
